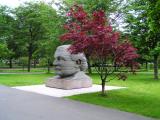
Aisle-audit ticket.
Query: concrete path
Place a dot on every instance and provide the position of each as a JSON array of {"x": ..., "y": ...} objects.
[
  {"x": 42, "y": 89},
  {"x": 20, "y": 105}
]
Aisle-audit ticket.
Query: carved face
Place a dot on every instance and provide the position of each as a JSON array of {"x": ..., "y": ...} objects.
[{"x": 64, "y": 65}]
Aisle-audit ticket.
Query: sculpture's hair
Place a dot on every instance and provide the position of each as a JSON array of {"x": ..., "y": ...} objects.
[{"x": 75, "y": 57}]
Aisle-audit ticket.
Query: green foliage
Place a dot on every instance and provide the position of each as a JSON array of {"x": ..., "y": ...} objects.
[
  {"x": 154, "y": 15},
  {"x": 5, "y": 22},
  {"x": 6, "y": 32},
  {"x": 32, "y": 30},
  {"x": 143, "y": 18},
  {"x": 30, "y": 25},
  {"x": 154, "y": 25},
  {"x": 91, "y": 5},
  {"x": 142, "y": 27},
  {"x": 38, "y": 25},
  {"x": 43, "y": 62},
  {"x": 23, "y": 61},
  {"x": 137, "y": 27},
  {"x": 4, "y": 51}
]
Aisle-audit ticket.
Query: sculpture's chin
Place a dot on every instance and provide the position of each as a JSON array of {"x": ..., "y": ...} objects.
[{"x": 65, "y": 74}]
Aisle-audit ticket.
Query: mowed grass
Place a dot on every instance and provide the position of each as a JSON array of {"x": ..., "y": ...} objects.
[
  {"x": 23, "y": 79},
  {"x": 142, "y": 95}
]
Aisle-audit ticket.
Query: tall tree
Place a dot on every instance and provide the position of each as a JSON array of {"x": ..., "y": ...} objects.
[
  {"x": 6, "y": 32},
  {"x": 36, "y": 20},
  {"x": 137, "y": 28},
  {"x": 142, "y": 18},
  {"x": 154, "y": 32},
  {"x": 4, "y": 51}
]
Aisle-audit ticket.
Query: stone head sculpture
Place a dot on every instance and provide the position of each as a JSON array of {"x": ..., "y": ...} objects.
[
  {"x": 70, "y": 70},
  {"x": 67, "y": 64}
]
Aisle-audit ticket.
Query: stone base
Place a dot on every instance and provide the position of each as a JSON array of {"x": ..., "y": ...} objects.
[{"x": 68, "y": 84}]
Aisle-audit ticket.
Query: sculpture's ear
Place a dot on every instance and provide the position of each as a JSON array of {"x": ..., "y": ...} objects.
[{"x": 78, "y": 62}]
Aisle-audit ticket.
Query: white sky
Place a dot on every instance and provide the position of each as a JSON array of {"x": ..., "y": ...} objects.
[{"x": 15, "y": 3}]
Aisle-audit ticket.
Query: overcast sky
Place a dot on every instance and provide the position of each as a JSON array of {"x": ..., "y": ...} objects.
[{"x": 15, "y": 3}]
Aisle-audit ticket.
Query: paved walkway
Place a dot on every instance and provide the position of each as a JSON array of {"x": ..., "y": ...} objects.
[
  {"x": 21, "y": 105},
  {"x": 42, "y": 89}
]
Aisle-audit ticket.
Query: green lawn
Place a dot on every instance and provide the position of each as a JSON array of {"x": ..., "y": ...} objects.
[
  {"x": 142, "y": 95},
  {"x": 23, "y": 79}
]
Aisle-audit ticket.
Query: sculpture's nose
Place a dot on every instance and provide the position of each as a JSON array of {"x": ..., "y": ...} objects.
[{"x": 56, "y": 63}]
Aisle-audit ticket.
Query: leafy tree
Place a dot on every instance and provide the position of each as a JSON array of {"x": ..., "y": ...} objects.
[
  {"x": 5, "y": 19},
  {"x": 142, "y": 18},
  {"x": 47, "y": 48},
  {"x": 36, "y": 22},
  {"x": 6, "y": 33},
  {"x": 90, "y": 5},
  {"x": 4, "y": 51},
  {"x": 94, "y": 36},
  {"x": 137, "y": 28},
  {"x": 154, "y": 32}
]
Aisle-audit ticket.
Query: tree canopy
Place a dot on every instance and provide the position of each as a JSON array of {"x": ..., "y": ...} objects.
[
  {"x": 36, "y": 24},
  {"x": 142, "y": 21}
]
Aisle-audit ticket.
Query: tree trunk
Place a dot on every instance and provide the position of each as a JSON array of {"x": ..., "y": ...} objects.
[
  {"x": 23, "y": 66},
  {"x": 147, "y": 68},
  {"x": 89, "y": 65},
  {"x": 48, "y": 65},
  {"x": 34, "y": 63},
  {"x": 115, "y": 67},
  {"x": 29, "y": 60},
  {"x": 103, "y": 88},
  {"x": 29, "y": 63},
  {"x": 30, "y": 48},
  {"x": 10, "y": 63},
  {"x": 155, "y": 61}
]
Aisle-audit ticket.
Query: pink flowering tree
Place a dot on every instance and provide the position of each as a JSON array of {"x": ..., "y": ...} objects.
[{"x": 93, "y": 35}]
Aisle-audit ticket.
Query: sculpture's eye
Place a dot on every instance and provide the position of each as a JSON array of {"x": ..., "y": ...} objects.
[{"x": 60, "y": 58}]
